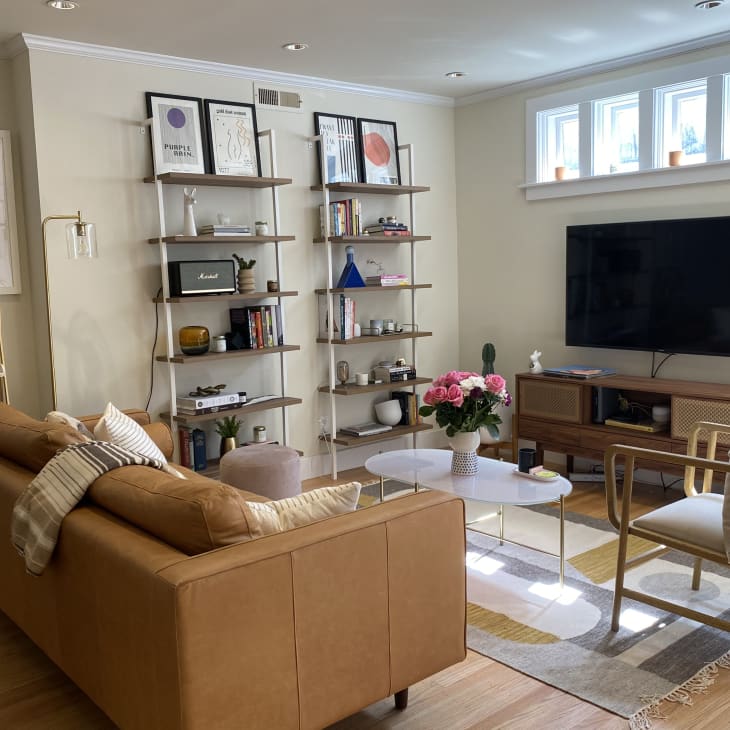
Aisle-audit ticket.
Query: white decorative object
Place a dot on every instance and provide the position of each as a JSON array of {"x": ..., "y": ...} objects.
[
  {"x": 535, "y": 367},
  {"x": 189, "y": 201},
  {"x": 464, "y": 460}
]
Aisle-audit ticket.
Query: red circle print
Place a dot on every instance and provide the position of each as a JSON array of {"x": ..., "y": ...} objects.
[{"x": 376, "y": 149}]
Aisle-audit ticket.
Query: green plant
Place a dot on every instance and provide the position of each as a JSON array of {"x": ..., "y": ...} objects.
[
  {"x": 243, "y": 263},
  {"x": 228, "y": 427},
  {"x": 488, "y": 356}
]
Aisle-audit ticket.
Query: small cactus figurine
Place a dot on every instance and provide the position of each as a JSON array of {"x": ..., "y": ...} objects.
[{"x": 488, "y": 356}]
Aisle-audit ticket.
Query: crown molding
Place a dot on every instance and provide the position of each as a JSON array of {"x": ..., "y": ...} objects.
[
  {"x": 89, "y": 50},
  {"x": 597, "y": 68}
]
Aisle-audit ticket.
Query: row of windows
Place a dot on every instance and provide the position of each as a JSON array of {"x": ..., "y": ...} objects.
[{"x": 610, "y": 129}]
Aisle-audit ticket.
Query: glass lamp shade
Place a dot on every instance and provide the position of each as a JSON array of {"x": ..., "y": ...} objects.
[{"x": 81, "y": 240}]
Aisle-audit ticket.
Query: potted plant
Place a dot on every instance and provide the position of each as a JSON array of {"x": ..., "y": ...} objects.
[
  {"x": 246, "y": 282},
  {"x": 227, "y": 428}
]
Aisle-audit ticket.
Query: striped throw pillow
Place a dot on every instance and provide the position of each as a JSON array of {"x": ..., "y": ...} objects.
[{"x": 118, "y": 428}]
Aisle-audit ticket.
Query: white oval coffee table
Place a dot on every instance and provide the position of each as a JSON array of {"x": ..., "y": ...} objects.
[{"x": 495, "y": 483}]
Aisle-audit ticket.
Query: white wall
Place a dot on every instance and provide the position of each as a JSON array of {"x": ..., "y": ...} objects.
[
  {"x": 91, "y": 156},
  {"x": 512, "y": 252},
  {"x": 17, "y": 309}
]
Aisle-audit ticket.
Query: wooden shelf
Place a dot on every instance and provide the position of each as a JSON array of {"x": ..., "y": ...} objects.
[
  {"x": 373, "y": 188},
  {"x": 220, "y": 239},
  {"x": 181, "y": 359},
  {"x": 376, "y": 338},
  {"x": 233, "y": 181},
  {"x": 266, "y": 405},
  {"x": 343, "y": 439},
  {"x": 352, "y": 389},
  {"x": 250, "y": 296},
  {"x": 372, "y": 239},
  {"x": 379, "y": 289}
]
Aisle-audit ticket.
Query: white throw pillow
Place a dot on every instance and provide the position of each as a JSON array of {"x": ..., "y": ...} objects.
[
  {"x": 267, "y": 518},
  {"x": 118, "y": 428},
  {"x": 61, "y": 417}
]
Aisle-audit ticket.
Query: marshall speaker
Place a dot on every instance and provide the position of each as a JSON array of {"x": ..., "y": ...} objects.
[{"x": 188, "y": 278}]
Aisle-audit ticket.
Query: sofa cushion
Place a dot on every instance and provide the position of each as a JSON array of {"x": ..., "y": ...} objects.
[
  {"x": 118, "y": 428},
  {"x": 194, "y": 515},
  {"x": 268, "y": 518},
  {"x": 32, "y": 443},
  {"x": 200, "y": 514}
]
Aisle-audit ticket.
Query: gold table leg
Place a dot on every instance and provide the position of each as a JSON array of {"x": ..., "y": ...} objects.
[
  {"x": 382, "y": 488},
  {"x": 562, "y": 541},
  {"x": 501, "y": 524}
]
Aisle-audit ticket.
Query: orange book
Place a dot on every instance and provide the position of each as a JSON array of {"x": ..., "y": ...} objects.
[{"x": 259, "y": 329}]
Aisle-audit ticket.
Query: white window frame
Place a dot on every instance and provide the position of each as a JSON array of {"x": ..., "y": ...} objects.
[
  {"x": 649, "y": 175},
  {"x": 601, "y": 149},
  {"x": 548, "y": 140}
]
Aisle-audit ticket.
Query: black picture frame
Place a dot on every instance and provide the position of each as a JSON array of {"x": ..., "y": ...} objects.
[
  {"x": 232, "y": 138},
  {"x": 178, "y": 135},
  {"x": 342, "y": 156},
  {"x": 378, "y": 143}
]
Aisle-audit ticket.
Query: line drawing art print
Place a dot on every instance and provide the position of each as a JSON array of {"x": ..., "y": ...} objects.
[{"x": 233, "y": 138}]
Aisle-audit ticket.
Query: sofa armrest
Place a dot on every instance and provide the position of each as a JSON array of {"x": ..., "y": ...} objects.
[{"x": 336, "y": 615}]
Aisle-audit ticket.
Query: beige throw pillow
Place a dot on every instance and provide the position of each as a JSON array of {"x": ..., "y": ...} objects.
[
  {"x": 61, "y": 417},
  {"x": 118, "y": 428},
  {"x": 267, "y": 518}
]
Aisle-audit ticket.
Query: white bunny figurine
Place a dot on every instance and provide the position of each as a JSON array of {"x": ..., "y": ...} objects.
[
  {"x": 189, "y": 201},
  {"x": 535, "y": 367}
]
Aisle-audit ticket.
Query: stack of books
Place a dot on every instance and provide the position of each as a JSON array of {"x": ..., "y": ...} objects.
[
  {"x": 388, "y": 229},
  {"x": 387, "y": 280},
  {"x": 227, "y": 230},
  {"x": 409, "y": 405},
  {"x": 347, "y": 317}
]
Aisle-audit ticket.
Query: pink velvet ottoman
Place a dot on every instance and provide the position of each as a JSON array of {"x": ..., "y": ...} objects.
[{"x": 269, "y": 470}]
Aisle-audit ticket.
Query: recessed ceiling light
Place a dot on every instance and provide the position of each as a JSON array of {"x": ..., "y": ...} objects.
[
  {"x": 295, "y": 46},
  {"x": 62, "y": 4},
  {"x": 455, "y": 74},
  {"x": 708, "y": 4}
]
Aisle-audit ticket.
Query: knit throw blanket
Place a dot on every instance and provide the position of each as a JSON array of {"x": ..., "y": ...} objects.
[{"x": 56, "y": 490}]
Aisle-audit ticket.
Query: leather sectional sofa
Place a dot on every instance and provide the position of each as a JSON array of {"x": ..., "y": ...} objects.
[{"x": 295, "y": 630}]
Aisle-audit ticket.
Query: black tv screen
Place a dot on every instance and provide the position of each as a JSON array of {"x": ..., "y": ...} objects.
[{"x": 650, "y": 285}]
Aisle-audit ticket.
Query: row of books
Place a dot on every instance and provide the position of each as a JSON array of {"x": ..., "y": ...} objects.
[
  {"x": 409, "y": 405},
  {"x": 344, "y": 218},
  {"x": 192, "y": 448},
  {"x": 259, "y": 327},
  {"x": 387, "y": 280},
  {"x": 347, "y": 317}
]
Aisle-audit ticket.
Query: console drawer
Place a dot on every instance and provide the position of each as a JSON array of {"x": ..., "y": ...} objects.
[
  {"x": 548, "y": 432},
  {"x": 687, "y": 411},
  {"x": 551, "y": 401}
]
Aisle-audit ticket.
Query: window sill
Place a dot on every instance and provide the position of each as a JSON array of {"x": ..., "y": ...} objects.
[{"x": 663, "y": 177}]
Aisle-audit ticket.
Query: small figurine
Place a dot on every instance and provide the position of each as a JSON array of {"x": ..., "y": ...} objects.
[
  {"x": 535, "y": 367},
  {"x": 189, "y": 201}
]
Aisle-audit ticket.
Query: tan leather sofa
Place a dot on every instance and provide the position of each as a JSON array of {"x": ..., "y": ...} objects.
[{"x": 294, "y": 630}]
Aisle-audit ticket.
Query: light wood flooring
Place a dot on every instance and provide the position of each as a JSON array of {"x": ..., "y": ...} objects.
[{"x": 477, "y": 694}]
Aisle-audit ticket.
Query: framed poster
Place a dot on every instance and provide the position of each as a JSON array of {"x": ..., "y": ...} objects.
[
  {"x": 340, "y": 147},
  {"x": 379, "y": 152},
  {"x": 177, "y": 134},
  {"x": 233, "y": 142},
  {"x": 9, "y": 261}
]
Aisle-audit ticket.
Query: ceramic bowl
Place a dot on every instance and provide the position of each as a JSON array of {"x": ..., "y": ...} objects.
[{"x": 388, "y": 412}]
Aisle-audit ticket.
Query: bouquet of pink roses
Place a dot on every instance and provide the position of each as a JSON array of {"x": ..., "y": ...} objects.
[{"x": 465, "y": 401}]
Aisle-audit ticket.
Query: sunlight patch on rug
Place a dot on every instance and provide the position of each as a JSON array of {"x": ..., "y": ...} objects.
[{"x": 504, "y": 627}]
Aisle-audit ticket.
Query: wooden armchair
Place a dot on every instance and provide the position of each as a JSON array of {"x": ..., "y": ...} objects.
[{"x": 691, "y": 525}]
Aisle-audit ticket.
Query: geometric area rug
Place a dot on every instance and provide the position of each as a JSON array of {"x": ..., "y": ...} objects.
[{"x": 516, "y": 614}]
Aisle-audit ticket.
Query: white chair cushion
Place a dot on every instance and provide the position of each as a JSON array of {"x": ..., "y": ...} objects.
[{"x": 696, "y": 520}]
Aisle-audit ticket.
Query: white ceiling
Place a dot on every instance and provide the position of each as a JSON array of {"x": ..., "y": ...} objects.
[{"x": 398, "y": 44}]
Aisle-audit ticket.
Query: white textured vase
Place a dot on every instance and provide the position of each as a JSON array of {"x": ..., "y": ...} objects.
[{"x": 464, "y": 459}]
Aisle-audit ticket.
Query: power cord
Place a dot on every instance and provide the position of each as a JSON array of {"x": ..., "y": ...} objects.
[
  {"x": 655, "y": 370},
  {"x": 322, "y": 430},
  {"x": 154, "y": 346}
]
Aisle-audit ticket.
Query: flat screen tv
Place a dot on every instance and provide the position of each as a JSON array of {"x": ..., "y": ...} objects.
[{"x": 660, "y": 286}]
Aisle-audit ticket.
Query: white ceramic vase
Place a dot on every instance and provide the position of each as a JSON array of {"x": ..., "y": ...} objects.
[{"x": 464, "y": 459}]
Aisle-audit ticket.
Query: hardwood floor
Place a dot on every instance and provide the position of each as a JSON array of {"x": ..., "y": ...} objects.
[{"x": 478, "y": 694}]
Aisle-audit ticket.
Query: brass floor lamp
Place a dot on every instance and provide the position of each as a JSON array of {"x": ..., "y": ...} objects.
[{"x": 80, "y": 244}]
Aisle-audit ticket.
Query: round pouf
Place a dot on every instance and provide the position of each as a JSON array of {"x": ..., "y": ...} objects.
[{"x": 269, "y": 470}]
